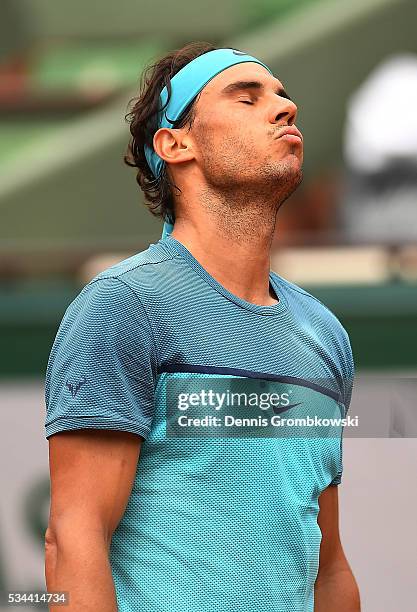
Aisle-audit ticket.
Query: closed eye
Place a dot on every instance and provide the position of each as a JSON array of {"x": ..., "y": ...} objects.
[{"x": 246, "y": 102}]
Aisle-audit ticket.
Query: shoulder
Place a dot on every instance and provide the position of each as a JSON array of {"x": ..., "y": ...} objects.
[
  {"x": 312, "y": 312},
  {"x": 141, "y": 269},
  {"x": 112, "y": 302},
  {"x": 150, "y": 274},
  {"x": 305, "y": 303},
  {"x": 155, "y": 256},
  {"x": 125, "y": 287}
]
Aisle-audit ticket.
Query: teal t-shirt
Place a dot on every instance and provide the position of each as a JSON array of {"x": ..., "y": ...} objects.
[{"x": 222, "y": 516}]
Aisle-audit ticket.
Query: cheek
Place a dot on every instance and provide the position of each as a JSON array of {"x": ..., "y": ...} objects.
[
  {"x": 226, "y": 140},
  {"x": 237, "y": 140}
]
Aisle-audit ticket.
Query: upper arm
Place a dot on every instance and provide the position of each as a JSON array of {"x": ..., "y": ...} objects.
[
  {"x": 92, "y": 474},
  {"x": 331, "y": 550},
  {"x": 335, "y": 587}
]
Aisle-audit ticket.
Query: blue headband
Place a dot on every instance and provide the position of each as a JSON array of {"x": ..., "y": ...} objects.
[{"x": 185, "y": 85}]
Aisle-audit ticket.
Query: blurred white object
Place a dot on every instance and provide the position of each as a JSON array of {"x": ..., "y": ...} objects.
[
  {"x": 379, "y": 201},
  {"x": 98, "y": 263},
  {"x": 333, "y": 265},
  {"x": 382, "y": 120}
]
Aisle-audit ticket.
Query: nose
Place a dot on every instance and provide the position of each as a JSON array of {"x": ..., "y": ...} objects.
[{"x": 284, "y": 111}]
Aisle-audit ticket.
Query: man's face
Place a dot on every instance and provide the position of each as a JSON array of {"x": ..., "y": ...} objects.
[{"x": 239, "y": 130}]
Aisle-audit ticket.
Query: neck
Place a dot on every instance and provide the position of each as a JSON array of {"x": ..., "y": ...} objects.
[{"x": 231, "y": 237}]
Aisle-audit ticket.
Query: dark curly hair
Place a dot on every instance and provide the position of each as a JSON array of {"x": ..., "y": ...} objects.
[{"x": 143, "y": 125}]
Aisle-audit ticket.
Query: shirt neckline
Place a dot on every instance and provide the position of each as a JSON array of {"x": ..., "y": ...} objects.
[{"x": 174, "y": 246}]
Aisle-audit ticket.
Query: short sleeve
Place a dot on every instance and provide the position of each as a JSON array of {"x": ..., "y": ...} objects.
[
  {"x": 347, "y": 377},
  {"x": 102, "y": 367}
]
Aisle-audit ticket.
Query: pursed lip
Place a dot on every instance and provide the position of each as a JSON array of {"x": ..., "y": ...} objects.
[{"x": 290, "y": 130}]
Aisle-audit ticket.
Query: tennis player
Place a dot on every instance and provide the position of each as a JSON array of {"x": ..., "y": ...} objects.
[{"x": 166, "y": 495}]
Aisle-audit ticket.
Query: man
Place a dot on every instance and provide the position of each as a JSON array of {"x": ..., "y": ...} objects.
[{"x": 149, "y": 510}]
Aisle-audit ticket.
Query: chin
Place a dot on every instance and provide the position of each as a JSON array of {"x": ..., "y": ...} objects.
[
  {"x": 293, "y": 160},
  {"x": 287, "y": 177},
  {"x": 289, "y": 169},
  {"x": 288, "y": 164}
]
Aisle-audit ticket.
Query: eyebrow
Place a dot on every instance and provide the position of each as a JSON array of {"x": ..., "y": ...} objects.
[{"x": 244, "y": 85}]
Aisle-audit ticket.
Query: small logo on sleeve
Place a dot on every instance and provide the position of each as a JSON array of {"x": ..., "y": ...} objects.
[{"x": 75, "y": 385}]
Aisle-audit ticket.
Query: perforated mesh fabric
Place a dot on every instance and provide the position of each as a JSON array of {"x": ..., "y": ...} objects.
[{"x": 212, "y": 524}]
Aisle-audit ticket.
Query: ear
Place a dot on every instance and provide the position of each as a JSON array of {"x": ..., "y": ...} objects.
[{"x": 173, "y": 145}]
